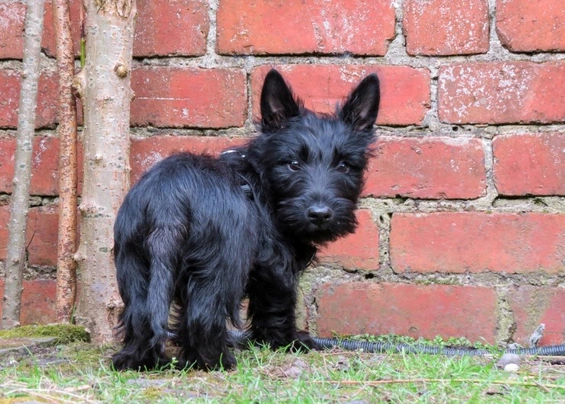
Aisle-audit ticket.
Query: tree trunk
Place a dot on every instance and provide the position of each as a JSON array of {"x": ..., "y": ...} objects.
[
  {"x": 19, "y": 206},
  {"x": 67, "y": 130},
  {"x": 104, "y": 85}
]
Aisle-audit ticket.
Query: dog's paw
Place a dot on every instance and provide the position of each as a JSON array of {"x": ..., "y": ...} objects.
[
  {"x": 193, "y": 361},
  {"x": 228, "y": 361},
  {"x": 122, "y": 362},
  {"x": 151, "y": 360},
  {"x": 303, "y": 342},
  {"x": 290, "y": 341}
]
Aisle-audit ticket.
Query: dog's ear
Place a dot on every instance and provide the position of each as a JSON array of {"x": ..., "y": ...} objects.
[
  {"x": 277, "y": 102},
  {"x": 362, "y": 105}
]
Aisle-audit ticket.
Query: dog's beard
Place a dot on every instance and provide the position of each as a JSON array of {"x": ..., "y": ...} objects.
[{"x": 292, "y": 216}]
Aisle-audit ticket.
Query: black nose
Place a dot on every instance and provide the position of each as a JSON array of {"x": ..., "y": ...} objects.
[{"x": 318, "y": 214}]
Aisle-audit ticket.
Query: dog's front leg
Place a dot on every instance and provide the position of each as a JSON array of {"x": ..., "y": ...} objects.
[{"x": 272, "y": 304}]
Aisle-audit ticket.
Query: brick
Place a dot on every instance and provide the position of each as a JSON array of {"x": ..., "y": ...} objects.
[
  {"x": 45, "y": 165},
  {"x": 41, "y": 235},
  {"x": 42, "y": 229},
  {"x": 48, "y": 40},
  {"x": 502, "y": 92},
  {"x": 428, "y": 168},
  {"x": 7, "y": 150},
  {"x": 10, "y": 90},
  {"x": 165, "y": 27},
  {"x": 45, "y": 168},
  {"x": 532, "y": 306},
  {"x": 356, "y": 251},
  {"x": 445, "y": 27},
  {"x": 363, "y": 27},
  {"x": 146, "y": 152},
  {"x": 188, "y": 97},
  {"x": 46, "y": 112},
  {"x": 12, "y": 17},
  {"x": 178, "y": 27},
  {"x": 45, "y": 177},
  {"x": 38, "y": 301},
  {"x": 530, "y": 164},
  {"x": 47, "y": 101},
  {"x": 452, "y": 242},
  {"x": 405, "y": 91},
  {"x": 528, "y": 26},
  {"x": 406, "y": 309}
]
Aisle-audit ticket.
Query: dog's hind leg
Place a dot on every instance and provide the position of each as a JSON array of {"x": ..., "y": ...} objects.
[
  {"x": 165, "y": 248},
  {"x": 216, "y": 275},
  {"x": 147, "y": 289},
  {"x": 133, "y": 281}
]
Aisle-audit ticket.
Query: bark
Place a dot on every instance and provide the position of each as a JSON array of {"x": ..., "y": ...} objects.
[
  {"x": 67, "y": 130},
  {"x": 19, "y": 206},
  {"x": 104, "y": 85}
]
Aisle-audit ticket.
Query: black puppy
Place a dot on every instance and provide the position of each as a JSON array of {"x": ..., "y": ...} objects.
[{"x": 202, "y": 232}]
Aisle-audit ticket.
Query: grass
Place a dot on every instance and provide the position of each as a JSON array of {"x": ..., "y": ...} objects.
[{"x": 81, "y": 373}]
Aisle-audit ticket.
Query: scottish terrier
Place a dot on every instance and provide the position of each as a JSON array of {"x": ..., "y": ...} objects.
[{"x": 200, "y": 233}]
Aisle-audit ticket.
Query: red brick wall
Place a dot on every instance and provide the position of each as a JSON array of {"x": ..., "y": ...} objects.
[{"x": 463, "y": 217}]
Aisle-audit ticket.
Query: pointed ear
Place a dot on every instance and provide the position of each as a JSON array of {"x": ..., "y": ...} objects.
[
  {"x": 362, "y": 105},
  {"x": 277, "y": 102}
]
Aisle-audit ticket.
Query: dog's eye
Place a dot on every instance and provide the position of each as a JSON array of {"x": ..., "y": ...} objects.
[
  {"x": 294, "y": 165},
  {"x": 342, "y": 167}
]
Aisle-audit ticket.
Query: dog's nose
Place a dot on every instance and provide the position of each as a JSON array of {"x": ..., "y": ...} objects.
[{"x": 319, "y": 214}]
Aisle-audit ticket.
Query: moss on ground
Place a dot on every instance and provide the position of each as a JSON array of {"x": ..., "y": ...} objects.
[{"x": 64, "y": 333}]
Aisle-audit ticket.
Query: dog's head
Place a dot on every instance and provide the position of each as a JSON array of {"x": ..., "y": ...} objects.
[{"x": 313, "y": 165}]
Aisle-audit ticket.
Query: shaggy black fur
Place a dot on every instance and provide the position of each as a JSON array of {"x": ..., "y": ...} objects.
[{"x": 203, "y": 232}]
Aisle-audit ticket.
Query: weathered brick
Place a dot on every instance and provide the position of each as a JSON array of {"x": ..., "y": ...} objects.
[
  {"x": 188, "y": 97},
  {"x": 165, "y": 27},
  {"x": 10, "y": 90},
  {"x": 41, "y": 234},
  {"x": 405, "y": 91},
  {"x": 45, "y": 168},
  {"x": 502, "y": 92},
  {"x": 404, "y": 309},
  {"x": 530, "y": 164},
  {"x": 532, "y": 306},
  {"x": 429, "y": 168},
  {"x": 46, "y": 112},
  {"x": 7, "y": 149},
  {"x": 362, "y": 27},
  {"x": 445, "y": 27},
  {"x": 178, "y": 27},
  {"x": 44, "y": 179},
  {"x": 356, "y": 251},
  {"x": 454, "y": 242},
  {"x": 48, "y": 39},
  {"x": 531, "y": 26},
  {"x": 146, "y": 152},
  {"x": 38, "y": 301},
  {"x": 12, "y": 17}
]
